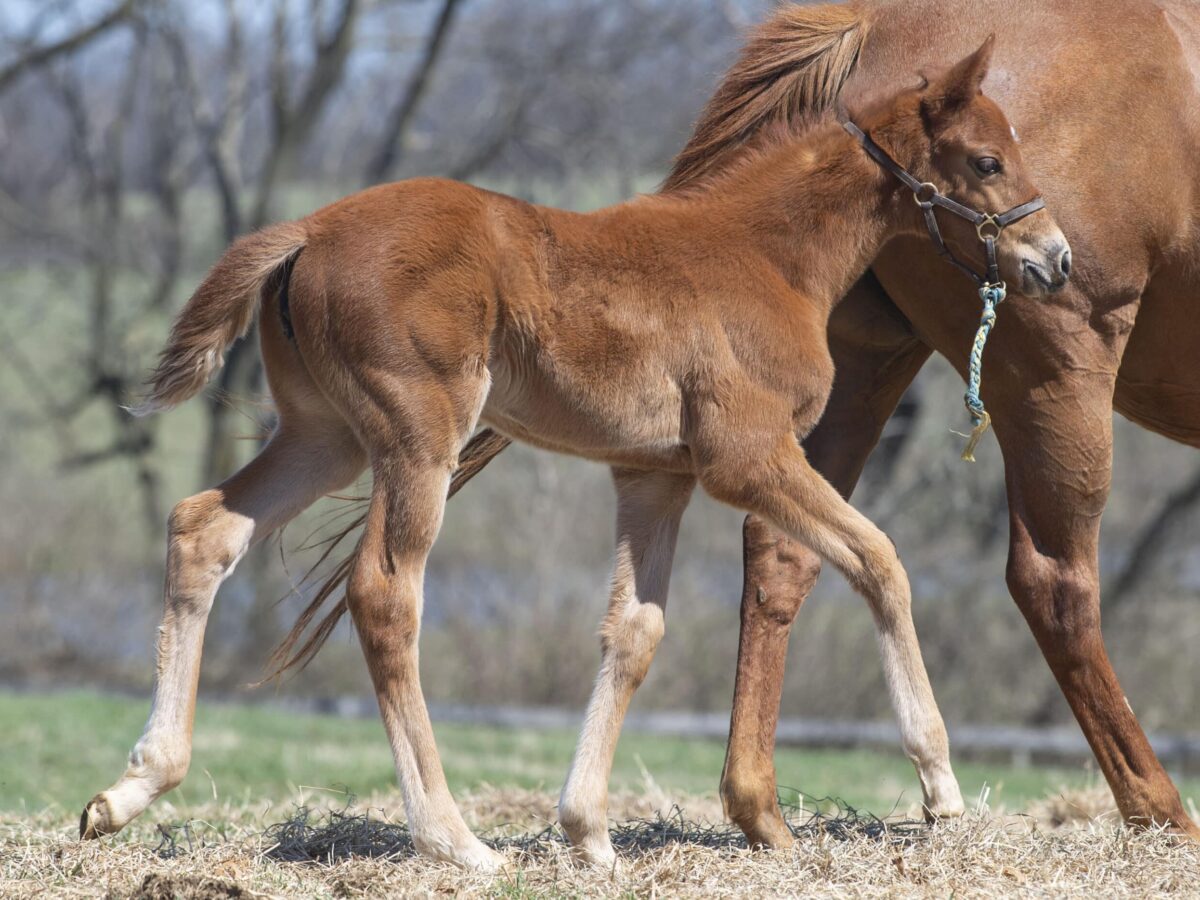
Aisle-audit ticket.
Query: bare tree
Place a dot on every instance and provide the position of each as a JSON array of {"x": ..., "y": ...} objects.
[
  {"x": 1153, "y": 541},
  {"x": 35, "y": 56},
  {"x": 391, "y": 146}
]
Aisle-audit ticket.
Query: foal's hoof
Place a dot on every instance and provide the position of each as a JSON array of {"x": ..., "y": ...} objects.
[
  {"x": 96, "y": 820},
  {"x": 598, "y": 854},
  {"x": 482, "y": 858},
  {"x": 947, "y": 809}
]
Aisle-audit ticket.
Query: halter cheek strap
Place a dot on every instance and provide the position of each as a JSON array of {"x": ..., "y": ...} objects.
[
  {"x": 927, "y": 196},
  {"x": 991, "y": 289}
]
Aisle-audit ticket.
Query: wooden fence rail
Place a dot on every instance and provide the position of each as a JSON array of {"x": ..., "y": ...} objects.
[{"x": 1019, "y": 745}]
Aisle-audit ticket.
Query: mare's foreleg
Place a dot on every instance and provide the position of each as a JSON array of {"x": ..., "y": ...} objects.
[{"x": 1056, "y": 434}]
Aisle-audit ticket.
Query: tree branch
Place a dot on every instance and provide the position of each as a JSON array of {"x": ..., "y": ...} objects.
[
  {"x": 293, "y": 122},
  {"x": 39, "y": 56},
  {"x": 1151, "y": 543},
  {"x": 391, "y": 146}
]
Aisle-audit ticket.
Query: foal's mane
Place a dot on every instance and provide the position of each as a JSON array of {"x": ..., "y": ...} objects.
[{"x": 790, "y": 71}]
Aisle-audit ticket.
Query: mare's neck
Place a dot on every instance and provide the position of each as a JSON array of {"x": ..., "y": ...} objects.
[{"x": 817, "y": 206}]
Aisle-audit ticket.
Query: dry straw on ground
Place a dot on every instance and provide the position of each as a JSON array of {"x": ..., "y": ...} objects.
[{"x": 668, "y": 848}]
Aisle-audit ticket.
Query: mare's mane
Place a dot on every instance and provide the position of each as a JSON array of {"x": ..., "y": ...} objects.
[{"x": 788, "y": 74}]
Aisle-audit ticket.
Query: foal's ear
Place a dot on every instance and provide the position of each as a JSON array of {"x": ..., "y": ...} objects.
[{"x": 947, "y": 91}]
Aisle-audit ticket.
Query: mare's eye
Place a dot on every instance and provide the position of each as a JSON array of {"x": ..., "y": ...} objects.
[{"x": 986, "y": 165}]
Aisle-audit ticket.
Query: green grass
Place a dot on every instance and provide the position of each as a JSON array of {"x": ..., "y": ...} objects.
[{"x": 59, "y": 749}]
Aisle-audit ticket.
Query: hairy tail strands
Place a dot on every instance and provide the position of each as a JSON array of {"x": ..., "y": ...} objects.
[
  {"x": 220, "y": 312},
  {"x": 297, "y": 650}
]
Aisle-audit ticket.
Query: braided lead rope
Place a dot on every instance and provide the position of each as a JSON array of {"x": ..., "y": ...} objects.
[{"x": 991, "y": 295}]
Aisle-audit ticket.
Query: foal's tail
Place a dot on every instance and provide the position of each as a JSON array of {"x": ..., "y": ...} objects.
[{"x": 219, "y": 313}]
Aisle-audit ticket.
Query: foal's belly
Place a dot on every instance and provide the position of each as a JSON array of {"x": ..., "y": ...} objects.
[{"x": 631, "y": 417}]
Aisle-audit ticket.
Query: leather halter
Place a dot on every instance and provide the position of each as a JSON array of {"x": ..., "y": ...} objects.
[{"x": 987, "y": 225}]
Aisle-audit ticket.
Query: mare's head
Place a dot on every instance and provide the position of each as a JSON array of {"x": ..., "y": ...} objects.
[{"x": 947, "y": 133}]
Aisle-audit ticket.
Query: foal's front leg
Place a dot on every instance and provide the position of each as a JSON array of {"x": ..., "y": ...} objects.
[
  {"x": 771, "y": 477},
  {"x": 649, "y": 506},
  {"x": 876, "y": 356}
]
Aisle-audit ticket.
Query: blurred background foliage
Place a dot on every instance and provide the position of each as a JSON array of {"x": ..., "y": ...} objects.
[{"x": 138, "y": 138}]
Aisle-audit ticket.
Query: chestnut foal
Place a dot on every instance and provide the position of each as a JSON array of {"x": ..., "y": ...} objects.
[{"x": 680, "y": 338}]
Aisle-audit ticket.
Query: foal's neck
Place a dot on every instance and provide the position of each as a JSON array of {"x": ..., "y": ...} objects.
[{"x": 817, "y": 206}]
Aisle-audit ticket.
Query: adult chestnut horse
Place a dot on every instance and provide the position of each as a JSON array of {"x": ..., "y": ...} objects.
[
  {"x": 1104, "y": 98},
  {"x": 680, "y": 338}
]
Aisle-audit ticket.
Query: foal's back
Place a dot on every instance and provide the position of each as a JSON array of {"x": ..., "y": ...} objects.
[{"x": 591, "y": 327}]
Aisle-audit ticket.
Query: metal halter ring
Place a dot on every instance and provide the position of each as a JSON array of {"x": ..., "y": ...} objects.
[
  {"x": 924, "y": 194},
  {"x": 985, "y": 222}
]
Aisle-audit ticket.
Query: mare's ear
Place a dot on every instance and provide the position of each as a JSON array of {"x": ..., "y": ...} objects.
[{"x": 946, "y": 92}]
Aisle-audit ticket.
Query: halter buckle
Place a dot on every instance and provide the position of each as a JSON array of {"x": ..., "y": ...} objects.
[
  {"x": 988, "y": 221},
  {"x": 924, "y": 194}
]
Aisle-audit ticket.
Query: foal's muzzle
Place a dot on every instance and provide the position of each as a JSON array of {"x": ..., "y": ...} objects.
[
  {"x": 1046, "y": 272},
  {"x": 988, "y": 226}
]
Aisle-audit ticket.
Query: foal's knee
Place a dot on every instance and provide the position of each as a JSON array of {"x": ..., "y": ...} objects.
[
  {"x": 630, "y": 637},
  {"x": 205, "y": 541},
  {"x": 879, "y": 575}
]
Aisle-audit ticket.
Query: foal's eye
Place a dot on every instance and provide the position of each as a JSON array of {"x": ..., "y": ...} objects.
[{"x": 987, "y": 165}]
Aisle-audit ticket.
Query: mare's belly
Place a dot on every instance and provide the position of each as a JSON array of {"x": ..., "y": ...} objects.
[{"x": 1158, "y": 384}]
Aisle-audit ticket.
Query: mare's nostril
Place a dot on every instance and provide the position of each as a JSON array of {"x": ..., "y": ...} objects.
[{"x": 1064, "y": 263}]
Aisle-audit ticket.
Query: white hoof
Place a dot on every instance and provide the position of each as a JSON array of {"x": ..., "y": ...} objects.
[
  {"x": 944, "y": 800},
  {"x": 482, "y": 858},
  {"x": 597, "y": 853}
]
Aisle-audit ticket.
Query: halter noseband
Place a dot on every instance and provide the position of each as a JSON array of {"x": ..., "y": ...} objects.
[{"x": 987, "y": 225}]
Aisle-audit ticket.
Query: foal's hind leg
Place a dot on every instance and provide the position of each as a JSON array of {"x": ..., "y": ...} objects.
[
  {"x": 385, "y": 598},
  {"x": 208, "y": 534},
  {"x": 781, "y": 486},
  {"x": 649, "y": 506}
]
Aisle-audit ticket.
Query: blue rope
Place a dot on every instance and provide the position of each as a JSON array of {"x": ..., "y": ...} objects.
[{"x": 991, "y": 295}]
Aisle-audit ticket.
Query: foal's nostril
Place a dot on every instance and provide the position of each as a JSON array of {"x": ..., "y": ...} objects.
[{"x": 1064, "y": 263}]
